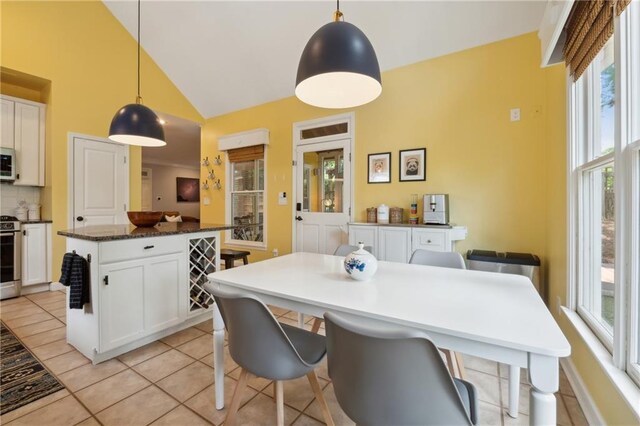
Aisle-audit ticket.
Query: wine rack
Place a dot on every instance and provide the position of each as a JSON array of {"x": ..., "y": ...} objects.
[{"x": 202, "y": 261}]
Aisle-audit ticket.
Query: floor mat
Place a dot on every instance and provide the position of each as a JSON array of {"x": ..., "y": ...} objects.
[{"x": 22, "y": 378}]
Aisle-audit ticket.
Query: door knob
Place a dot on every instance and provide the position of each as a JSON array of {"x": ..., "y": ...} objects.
[
  {"x": 79, "y": 218},
  {"x": 298, "y": 218}
]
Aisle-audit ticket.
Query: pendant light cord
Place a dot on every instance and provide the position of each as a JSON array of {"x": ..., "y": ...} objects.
[{"x": 139, "y": 98}]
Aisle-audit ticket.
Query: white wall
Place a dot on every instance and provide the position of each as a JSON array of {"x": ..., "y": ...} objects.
[
  {"x": 10, "y": 195},
  {"x": 164, "y": 188}
]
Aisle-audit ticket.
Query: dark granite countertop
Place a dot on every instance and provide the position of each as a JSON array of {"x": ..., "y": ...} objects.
[
  {"x": 124, "y": 232},
  {"x": 29, "y": 222}
]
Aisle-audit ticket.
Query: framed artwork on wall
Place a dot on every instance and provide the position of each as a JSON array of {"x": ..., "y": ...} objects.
[
  {"x": 379, "y": 169},
  {"x": 413, "y": 164},
  {"x": 187, "y": 190}
]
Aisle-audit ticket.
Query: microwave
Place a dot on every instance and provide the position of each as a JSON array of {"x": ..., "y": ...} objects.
[{"x": 7, "y": 164}]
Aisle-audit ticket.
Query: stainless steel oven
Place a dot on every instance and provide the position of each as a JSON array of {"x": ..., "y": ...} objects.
[{"x": 10, "y": 257}]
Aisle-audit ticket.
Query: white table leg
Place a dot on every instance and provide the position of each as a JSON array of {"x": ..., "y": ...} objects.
[
  {"x": 544, "y": 379},
  {"x": 300, "y": 320},
  {"x": 218, "y": 356},
  {"x": 514, "y": 390}
]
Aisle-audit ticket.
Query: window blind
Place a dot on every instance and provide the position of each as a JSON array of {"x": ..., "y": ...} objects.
[
  {"x": 248, "y": 153},
  {"x": 588, "y": 28}
]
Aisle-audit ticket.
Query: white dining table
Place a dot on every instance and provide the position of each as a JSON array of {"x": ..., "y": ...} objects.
[{"x": 499, "y": 317}]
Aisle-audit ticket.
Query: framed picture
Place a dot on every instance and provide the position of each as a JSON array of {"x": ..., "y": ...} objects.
[
  {"x": 413, "y": 164},
  {"x": 379, "y": 170},
  {"x": 187, "y": 190}
]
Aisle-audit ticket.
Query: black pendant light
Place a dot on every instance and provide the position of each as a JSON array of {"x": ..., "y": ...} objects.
[
  {"x": 338, "y": 67},
  {"x": 135, "y": 124}
]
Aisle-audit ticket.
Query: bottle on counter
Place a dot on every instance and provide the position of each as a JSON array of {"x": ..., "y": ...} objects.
[
  {"x": 413, "y": 212},
  {"x": 383, "y": 213}
]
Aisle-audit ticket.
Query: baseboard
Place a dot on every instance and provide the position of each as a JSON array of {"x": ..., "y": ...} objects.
[
  {"x": 591, "y": 412},
  {"x": 54, "y": 286}
]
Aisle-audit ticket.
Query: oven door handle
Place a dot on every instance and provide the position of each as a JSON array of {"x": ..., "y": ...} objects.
[{"x": 17, "y": 257}]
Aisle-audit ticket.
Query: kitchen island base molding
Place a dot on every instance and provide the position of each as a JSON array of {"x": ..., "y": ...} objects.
[{"x": 95, "y": 357}]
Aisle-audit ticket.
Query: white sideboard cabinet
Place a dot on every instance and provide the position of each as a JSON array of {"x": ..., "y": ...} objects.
[
  {"x": 396, "y": 243},
  {"x": 23, "y": 129}
]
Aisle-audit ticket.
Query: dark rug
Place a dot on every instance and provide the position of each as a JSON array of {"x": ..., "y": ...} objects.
[{"x": 22, "y": 378}]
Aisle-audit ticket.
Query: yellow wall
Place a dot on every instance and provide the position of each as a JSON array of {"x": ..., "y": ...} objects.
[
  {"x": 90, "y": 60},
  {"x": 457, "y": 106}
]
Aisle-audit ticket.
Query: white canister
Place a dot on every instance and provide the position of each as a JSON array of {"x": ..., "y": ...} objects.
[
  {"x": 383, "y": 213},
  {"x": 22, "y": 214},
  {"x": 360, "y": 265},
  {"x": 34, "y": 211}
]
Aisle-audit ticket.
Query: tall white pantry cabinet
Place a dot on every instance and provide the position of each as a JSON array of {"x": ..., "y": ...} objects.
[{"x": 23, "y": 129}]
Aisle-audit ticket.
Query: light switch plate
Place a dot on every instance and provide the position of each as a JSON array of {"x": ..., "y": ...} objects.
[{"x": 515, "y": 114}]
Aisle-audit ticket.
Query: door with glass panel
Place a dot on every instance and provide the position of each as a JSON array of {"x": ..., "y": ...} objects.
[{"x": 323, "y": 195}]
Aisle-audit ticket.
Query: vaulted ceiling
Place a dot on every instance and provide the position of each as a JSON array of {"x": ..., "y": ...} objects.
[{"x": 229, "y": 55}]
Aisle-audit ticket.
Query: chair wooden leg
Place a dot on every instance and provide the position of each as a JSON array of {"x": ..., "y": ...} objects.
[
  {"x": 449, "y": 355},
  {"x": 237, "y": 394},
  {"x": 279, "y": 403},
  {"x": 316, "y": 325},
  {"x": 460, "y": 364},
  {"x": 317, "y": 390}
]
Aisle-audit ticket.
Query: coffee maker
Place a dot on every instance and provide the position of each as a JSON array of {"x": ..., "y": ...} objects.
[{"x": 436, "y": 209}]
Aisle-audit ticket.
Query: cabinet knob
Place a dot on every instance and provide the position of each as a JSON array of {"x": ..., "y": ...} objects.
[{"x": 428, "y": 241}]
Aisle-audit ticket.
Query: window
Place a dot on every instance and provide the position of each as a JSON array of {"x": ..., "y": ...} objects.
[
  {"x": 245, "y": 196},
  {"x": 604, "y": 195}
]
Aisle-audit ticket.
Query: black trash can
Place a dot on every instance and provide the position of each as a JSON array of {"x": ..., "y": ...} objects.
[{"x": 526, "y": 264}]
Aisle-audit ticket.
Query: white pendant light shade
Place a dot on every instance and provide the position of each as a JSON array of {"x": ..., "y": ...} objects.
[{"x": 338, "y": 68}]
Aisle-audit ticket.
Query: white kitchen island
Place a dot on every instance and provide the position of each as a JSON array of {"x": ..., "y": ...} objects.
[{"x": 145, "y": 284}]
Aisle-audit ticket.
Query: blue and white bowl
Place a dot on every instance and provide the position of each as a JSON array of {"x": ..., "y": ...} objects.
[{"x": 360, "y": 264}]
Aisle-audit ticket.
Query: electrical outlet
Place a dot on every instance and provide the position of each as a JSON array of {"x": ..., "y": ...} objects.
[
  {"x": 275, "y": 252},
  {"x": 515, "y": 114}
]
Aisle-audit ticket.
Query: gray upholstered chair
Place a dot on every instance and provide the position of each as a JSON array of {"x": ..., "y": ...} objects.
[
  {"x": 394, "y": 377},
  {"x": 444, "y": 259},
  {"x": 345, "y": 249},
  {"x": 262, "y": 346}
]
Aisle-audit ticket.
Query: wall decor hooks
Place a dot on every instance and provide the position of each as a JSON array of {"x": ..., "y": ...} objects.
[
  {"x": 205, "y": 185},
  {"x": 211, "y": 175},
  {"x": 217, "y": 184},
  {"x": 205, "y": 162},
  {"x": 217, "y": 161}
]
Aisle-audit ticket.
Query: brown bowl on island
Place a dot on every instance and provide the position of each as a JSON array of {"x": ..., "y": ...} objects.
[{"x": 144, "y": 219}]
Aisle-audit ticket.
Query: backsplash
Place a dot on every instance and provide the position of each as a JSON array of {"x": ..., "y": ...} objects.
[{"x": 10, "y": 195}]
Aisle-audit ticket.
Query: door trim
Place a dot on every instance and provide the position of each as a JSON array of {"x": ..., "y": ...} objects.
[
  {"x": 71, "y": 136},
  {"x": 350, "y": 119}
]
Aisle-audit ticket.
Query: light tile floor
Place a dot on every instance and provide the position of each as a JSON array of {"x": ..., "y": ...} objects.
[{"x": 170, "y": 382}]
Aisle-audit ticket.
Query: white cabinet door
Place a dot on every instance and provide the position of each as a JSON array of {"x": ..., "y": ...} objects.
[
  {"x": 395, "y": 244},
  {"x": 34, "y": 254},
  {"x": 368, "y": 235},
  {"x": 431, "y": 239},
  {"x": 29, "y": 144},
  {"x": 121, "y": 303},
  {"x": 165, "y": 292},
  {"x": 6, "y": 121}
]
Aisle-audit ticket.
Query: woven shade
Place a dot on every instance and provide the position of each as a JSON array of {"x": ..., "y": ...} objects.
[
  {"x": 589, "y": 27},
  {"x": 246, "y": 154}
]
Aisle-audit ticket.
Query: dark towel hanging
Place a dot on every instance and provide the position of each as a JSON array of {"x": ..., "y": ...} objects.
[{"x": 75, "y": 275}]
